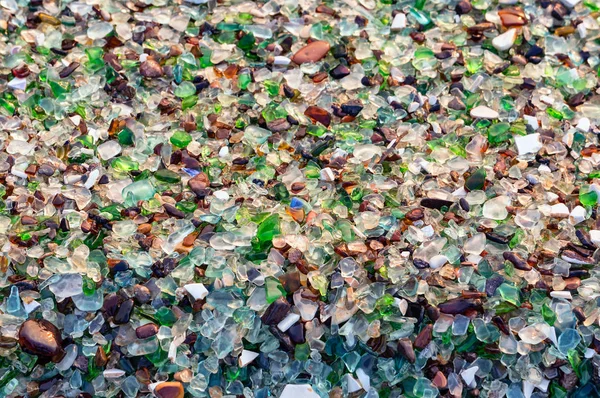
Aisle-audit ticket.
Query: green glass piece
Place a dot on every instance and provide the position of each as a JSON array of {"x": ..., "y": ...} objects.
[
  {"x": 244, "y": 17},
  {"x": 158, "y": 357},
  {"x": 476, "y": 181},
  {"x": 7, "y": 106},
  {"x": 424, "y": 59},
  {"x": 510, "y": 293},
  {"x": 316, "y": 130},
  {"x": 473, "y": 64},
  {"x": 483, "y": 123},
  {"x": 189, "y": 102},
  {"x": 575, "y": 361},
  {"x": 205, "y": 61},
  {"x": 87, "y": 141},
  {"x": 507, "y": 103},
  {"x": 168, "y": 176},
  {"x": 592, "y": 5},
  {"x": 274, "y": 111},
  {"x": 89, "y": 286},
  {"x": 385, "y": 304},
  {"x": 181, "y": 139},
  {"x": 274, "y": 290},
  {"x": 512, "y": 70},
  {"x": 516, "y": 239},
  {"x": 302, "y": 352},
  {"x": 594, "y": 174},
  {"x": 247, "y": 42},
  {"x": 112, "y": 212},
  {"x": 186, "y": 207},
  {"x": 144, "y": 175},
  {"x": 554, "y": 113},
  {"x": 124, "y": 164},
  {"x": 59, "y": 88},
  {"x": 271, "y": 87},
  {"x": 139, "y": 190},
  {"x": 498, "y": 133},
  {"x": 244, "y": 79},
  {"x": 165, "y": 316},
  {"x": 95, "y": 241},
  {"x": 111, "y": 75},
  {"x": 557, "y": 391},
  {"x": 95, "y": 58},
  {"x": 548, "y": 314},
  {"x": 125, "y": 137},
  {"x": 228, "y": 27},
  {"x": 185, "y": 89},
  {"x": 280, "y": 192},
  {"x": 269, "y": 228},
  {"x": 589, "y": 198}
]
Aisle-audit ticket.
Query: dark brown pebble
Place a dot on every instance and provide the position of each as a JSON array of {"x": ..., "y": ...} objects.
[
  {"x": 21, "y": 71},
  {"x": 517, "y": 261},
  {"x": 577, "y": 99},
  {"x": 276, "y": 312},
  {"x": 115, "y": 266},
  {"x": 68, "y": 44},
  {"x": 585, "y": 239},
  {"x": 463, "y": 7},
  {"x": 198, "y": 184},
  {"x": 512, "y": 16},
  {"x": 435, "y": 203},
  {"x": 459, "y": 306},
  {"x": 66, "y": 72},
  {"x": 318, "y": 115},
  {"x": 415, "y": 214},
  {"x": 352, "y": 108},
  {"x": 456, "y": 104},
  {"x": 579, "y": 314},
  {"x": 169, "y": 389},
  {"x": 100, "y": 359},
  {"x": 499, "y": 322},
  {"x": 480, "y": 27},
  {"x": 405, "y": 348},
  {"x": 424, "y": 337},
  {"x": 492, "y": 284},
  {"x": 45, "y": 170},
  {"x": 173, "y": 211},
  {"x": 296, "y": 333},
  {"x": 284, "y": 340},
  {"x": 28, "y": 220},
  {"x": 439, "y": 380},
  {"x": 339, "y": 72},
  {"x": 312, "y": 52},
  {"x": 8, "y": 342},
  {"x": 124, "y": 313},
  {"x": 572, "y": 283},
  {"x": 147, "y": 330},
  {"x": 40, "y": 337},
  {"x": 279, "y": 125},
  {"x": 559, "y": 11},
  {"x": 151, "y": 68},
  {"x": 418, "y": 37},
  {"x": 494, "y": 237}
]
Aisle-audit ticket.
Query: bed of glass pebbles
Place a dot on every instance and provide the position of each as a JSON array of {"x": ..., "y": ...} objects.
[{"x": 299, "y": 199}]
